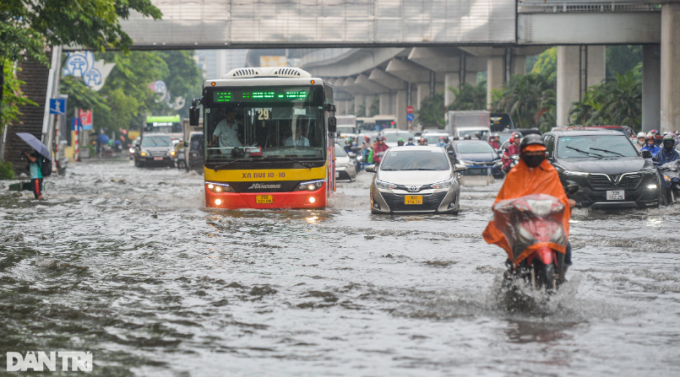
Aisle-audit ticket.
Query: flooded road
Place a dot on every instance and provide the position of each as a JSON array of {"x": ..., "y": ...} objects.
[{"x": 129, "y": 264}]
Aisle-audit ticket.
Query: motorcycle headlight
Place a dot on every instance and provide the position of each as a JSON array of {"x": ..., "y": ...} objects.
[
  {"x": 384, "y": 185},
  {"x": 443, "y": 184},
  {"x": 132, "y": 150},
  {"x": 524, "y": 236},
  {"x": 310, "y": 185},
  {"x": 219, "y": 187}
]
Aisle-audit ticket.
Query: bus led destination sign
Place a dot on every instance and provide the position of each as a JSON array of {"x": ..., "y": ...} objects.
[{"x": 256, "y": 95}]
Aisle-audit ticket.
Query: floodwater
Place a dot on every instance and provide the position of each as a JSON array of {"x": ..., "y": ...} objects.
[{"x": 129, "y": 264}]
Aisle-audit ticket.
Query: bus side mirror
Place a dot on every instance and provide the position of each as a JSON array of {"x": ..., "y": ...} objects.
[
  {"x": 332, "y": 125},
  {"x": 194, "y": 116},
  {"x": 330, "y": 107}
]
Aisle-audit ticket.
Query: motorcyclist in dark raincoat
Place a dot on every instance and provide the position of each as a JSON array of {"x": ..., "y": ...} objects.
[{"x": 667, "y": 153}]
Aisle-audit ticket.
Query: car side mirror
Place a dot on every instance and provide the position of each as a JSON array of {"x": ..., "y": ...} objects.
[
  {"x": 459, "y": 168},
  {"x": 332, "y": 125},
  {"x": 370, "y": 168},
  {"x": 450, "y": 152},
  {"x": 646, "y": 154}
]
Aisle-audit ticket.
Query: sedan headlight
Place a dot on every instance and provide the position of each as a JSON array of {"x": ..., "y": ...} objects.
[
  {"x": 219, "y": 187},
  {"x": 443, "y": 184},
  {"x": 310, "y": 185},
  {"x": 382, "y": 185},
  {"x": 467, "y": 163},
  {"x": 577, "y": 173},
  {"x": 145, "y": 152},
  {"x": 170, "y": 153}
]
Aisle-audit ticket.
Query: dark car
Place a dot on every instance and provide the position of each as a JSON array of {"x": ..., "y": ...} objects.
[
  {"x": 610, "y": 172},
  {"x": 194, "y": 152},
  {"x": 154, "y": 150},
  {"x": 478, "y": 156}
]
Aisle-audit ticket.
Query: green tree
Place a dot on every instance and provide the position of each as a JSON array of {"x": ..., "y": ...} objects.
[
  {"x": 546, "y": 64},
  {"x": 432, "y": 111},
  {"x": 525, "y": 98},
  {"x": 29, "y": 27},
  {"x": 622, "y": 58},
  {"x": 375, "y": 108},
  {"x": 361, "y": 111},
  {"x": 13, "y": 97},
  {"x": 184, "y": 78},
  {"x": 469, "y": 97},
  {"x": 616, "y": 101}
]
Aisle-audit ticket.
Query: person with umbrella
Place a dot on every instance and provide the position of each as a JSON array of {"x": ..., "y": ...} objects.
[{"x": 35, "y": 162}]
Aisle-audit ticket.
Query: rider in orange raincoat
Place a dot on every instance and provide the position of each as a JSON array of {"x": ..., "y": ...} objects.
[{"x": 532, "y": 175}]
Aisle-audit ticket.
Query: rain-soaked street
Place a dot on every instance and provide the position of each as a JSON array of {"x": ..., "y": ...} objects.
[{"x": 129, "y": 264}]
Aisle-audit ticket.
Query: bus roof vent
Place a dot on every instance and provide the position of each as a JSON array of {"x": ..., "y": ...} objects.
[{"x": 287, "y": 72}]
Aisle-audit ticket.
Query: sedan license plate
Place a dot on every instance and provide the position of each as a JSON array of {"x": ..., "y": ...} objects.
[
  {"x": 158, "y": 158},
  {"x": 616, "y": 195},
  {"x": 413, "y": 199},
  {"x": 264, "y": 199}
]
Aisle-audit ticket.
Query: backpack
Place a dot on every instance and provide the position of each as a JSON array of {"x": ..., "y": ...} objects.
[{"x": 45, "y": 166}]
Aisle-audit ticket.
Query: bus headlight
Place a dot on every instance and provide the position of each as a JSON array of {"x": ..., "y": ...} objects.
[
  {"x": 310, "y": 185},
  {"x": 219, "y": 187}
]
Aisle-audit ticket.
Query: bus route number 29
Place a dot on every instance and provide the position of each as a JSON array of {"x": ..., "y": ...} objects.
[{"x": 263, "y": 114}]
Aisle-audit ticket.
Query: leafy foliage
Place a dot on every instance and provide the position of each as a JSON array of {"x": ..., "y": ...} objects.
[
  {"x": 526, "y": 98},
  {"x": 184, "y": 77},
  {"x": 469, "y": 97},
  {"x": 616, "y": 101},
  {"x": 361, "y": 111},
  {"x": 6, "y": 170},
  {"x": 375, "y": 108},
  {"x": 12, "y": 96},
  {"x": 432, "y": 111},
  {"x": 546, "y": 64},
  {"x": 622, "y": 58}
]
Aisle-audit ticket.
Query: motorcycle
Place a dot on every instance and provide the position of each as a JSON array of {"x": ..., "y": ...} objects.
[
  {"x": 532, "y": 225},
  {"x": 670, "y": 180}
]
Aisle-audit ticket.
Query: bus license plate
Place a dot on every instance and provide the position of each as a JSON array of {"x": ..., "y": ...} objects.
[
  {"x": 158, "y": 158},
  {"x": 413, "y": 199},
  {"x": 264, "y": 199},
  {"x": 616, "y": 195}
]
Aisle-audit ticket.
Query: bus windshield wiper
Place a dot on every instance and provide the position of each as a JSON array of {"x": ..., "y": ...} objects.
[
  {"x": 584, "y": 152},
  {"x": 303, "y": 163},
  {"x": 229, "y": 163},
  {"x": 608, "y": 151}
]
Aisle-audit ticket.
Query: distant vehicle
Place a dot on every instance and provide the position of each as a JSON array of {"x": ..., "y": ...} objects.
[
  {"x": 433, "y": 137},
  {"x": 506, "y": 134},
  {"x": 385, "y": 121},
  {"x": 500, "y": 121},
  {"x": 473, "y": 123},
  {"x": 344, "y": 166},
  {"x": 171, "y": 125},
  {"x": 624, "y": 129},
  {"x": 392, "y": 136},
  {"x": 608, "y": 169},
  {"x": 154, "y": 149},
  {"x": 135, "y": 142},
  {"x": 478, "y": 156},
  {"x": 415, "y": 179},
  {"x": 194, "y": 152},
  {"x": 347, "y": 126}
]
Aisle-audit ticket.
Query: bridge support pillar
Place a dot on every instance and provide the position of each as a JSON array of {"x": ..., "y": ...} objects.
[
  {"x": 578, "y": 67},
  {"x": 423, "y": 92},
  {"x": 369, "y": 102},
  {"x": 651, "y": 87},
  {"x": 451, "y": 81},
  {"x": 384, "y": 104},
  {"x": 670, "y": 67},
  {"x": 400, "y": 110},
  {"x": 495, "y": 76},
  {"x": 359, "y": 102}
]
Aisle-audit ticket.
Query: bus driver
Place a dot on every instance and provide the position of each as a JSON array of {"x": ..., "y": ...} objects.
[
  {"x": 299, "y": 140},
  {"x": 226, "y": 131}
]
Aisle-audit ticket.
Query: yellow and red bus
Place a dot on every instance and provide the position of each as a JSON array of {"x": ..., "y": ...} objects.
[{"x": 268, "y": 136}]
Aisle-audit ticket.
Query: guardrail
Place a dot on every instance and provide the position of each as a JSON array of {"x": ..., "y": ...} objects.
[{"x": 584, "y": 6}]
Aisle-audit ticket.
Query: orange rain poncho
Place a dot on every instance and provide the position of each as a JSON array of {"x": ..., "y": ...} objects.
[{"x": 522, "y": 181}]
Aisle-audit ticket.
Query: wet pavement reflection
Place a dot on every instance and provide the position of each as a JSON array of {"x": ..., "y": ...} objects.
[{"x": 129, "y": 264}]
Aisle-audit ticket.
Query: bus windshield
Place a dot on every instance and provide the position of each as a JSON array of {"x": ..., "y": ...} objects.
[{"x": 253, "y": 123}]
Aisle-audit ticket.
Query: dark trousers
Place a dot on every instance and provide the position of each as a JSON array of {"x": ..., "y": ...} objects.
[{"x": 36, "y": 187}]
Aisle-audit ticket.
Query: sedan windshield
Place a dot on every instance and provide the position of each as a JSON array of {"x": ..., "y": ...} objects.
[
  {"x": 473, "y": 147},
  {"x": 432, "y": 159},
  {"x": 156, "y": 141},
  {"x": 340, "y": 151},
  {"x": 595, "y": 146}
]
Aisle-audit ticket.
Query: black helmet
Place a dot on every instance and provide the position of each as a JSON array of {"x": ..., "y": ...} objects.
[{"x": 531, "y": 140}]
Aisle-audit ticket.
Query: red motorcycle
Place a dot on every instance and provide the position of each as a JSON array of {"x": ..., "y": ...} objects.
[{"x": 533, "y": 227}]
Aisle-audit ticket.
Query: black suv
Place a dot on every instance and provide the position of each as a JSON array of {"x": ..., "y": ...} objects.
[
  {"x": 610, "y": 172},
  {"x": 154, "y": 149}
]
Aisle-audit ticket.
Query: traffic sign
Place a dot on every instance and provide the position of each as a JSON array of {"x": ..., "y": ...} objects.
[
  {"x": 58, "y": 106},
  {"x": 410, "y": 110},
  {"x": 410, "y": 117}
]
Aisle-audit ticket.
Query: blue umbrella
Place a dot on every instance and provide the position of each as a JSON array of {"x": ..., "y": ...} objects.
[
  {"x": 35, "y": 143},
  {"x": 103, "y": 139}
]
